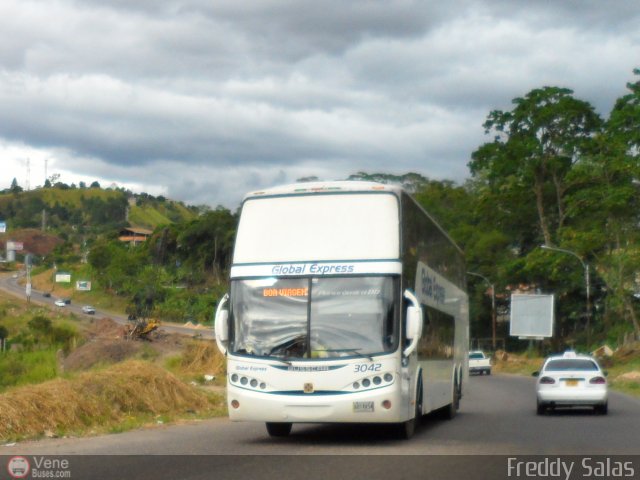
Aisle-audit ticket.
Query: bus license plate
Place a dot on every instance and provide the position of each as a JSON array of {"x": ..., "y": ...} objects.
[{"x": 362, "y": 407}]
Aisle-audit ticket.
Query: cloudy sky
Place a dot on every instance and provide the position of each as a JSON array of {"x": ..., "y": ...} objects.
[{"x": 204, "y": 100}]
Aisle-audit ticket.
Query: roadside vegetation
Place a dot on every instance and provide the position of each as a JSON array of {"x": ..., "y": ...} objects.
[
  {"x": 124, "y": 396},
  {"x": 61, "y": 374}
]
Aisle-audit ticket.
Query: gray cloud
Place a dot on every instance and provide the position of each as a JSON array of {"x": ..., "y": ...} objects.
[{"x": 202, "y": 99}]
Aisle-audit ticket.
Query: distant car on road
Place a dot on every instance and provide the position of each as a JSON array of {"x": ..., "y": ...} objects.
[
  {"x": 88, "y": 309},
  {"x": 46, "y": 294},
  {"x": 571, "y": 380},
  {"x": 479, "y": 363},
  {"x": 60, "y": 303}
]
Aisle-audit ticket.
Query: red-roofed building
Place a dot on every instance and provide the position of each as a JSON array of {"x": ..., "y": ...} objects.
[{"x": 134, "y": 235}]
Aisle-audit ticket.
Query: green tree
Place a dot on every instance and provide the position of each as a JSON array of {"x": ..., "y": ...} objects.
[
  {"x": 207, "y": 242},
  {"x": 605, "y": 207},
  {"x": 535, "y": 146},
  {"x": 15, "y": 188},
  {"x": 4, "y": 333},
  {"x": 148, "y": 292}
]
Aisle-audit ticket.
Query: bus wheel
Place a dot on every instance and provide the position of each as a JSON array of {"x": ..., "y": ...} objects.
[
  {"x": 449, "y": 411},
  {"x": 278, "y": 429},
  {"x": 408, "y": 428}
]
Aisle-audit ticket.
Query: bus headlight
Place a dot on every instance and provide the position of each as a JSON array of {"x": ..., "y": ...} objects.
[
  {"x": 246, "y": 382},
  {"x": 377, "y": 381}
]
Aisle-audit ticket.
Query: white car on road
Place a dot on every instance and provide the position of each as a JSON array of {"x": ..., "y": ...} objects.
[
  {"x": 88, "y": 309},
  {"x": 479, "y": 363},
  {"x": 60, "y": 303},
  {"x": 570, "y": 380}
]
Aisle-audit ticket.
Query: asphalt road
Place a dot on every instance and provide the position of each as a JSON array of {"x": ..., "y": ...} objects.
[
  {"x": 10, "y": 285},
  {"x": 497, "y": 416},
  {"x": 497, "y": 420}
]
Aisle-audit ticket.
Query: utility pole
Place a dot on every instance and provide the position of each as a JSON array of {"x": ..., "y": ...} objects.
[
  {"x": 493, "y": 307},
  {"x": 587, "y": 282},
  {"x": 28, "y": 186},
  {"x": 28, "y": 267}
]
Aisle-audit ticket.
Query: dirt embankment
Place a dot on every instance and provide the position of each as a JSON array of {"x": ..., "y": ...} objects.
[
  {"x": 104, "y": 344},
  {"x": 107, "y": 343},
  {"x": 101, "y": 399}
]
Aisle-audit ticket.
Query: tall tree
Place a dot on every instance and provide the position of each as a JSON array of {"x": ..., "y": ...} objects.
[
  {"x": 15, "y": 188},
  {"x": 604, "y": 206},
  {"x": 207, "y": 242},
  {"x": 535, "y": 146}
]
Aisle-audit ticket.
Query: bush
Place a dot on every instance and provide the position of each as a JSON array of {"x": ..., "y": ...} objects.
[
  {"x": 4, "y": 333},
  {"x": 64, "y": 336},
  {"x": 40, "y": 325},
  {"x": 22, "y": 368}
]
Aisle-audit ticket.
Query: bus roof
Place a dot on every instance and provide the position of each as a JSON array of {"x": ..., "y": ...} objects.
[
  {"x": 307, "y": 188},
  {"x": 324, "y": 187}
]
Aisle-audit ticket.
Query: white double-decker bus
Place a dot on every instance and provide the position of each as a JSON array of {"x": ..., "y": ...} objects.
[{"x": 347, "y": 303}]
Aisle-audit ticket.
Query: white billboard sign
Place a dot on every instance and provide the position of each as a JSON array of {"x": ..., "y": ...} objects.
[
  {"x": 532, "y": 316},
  {"x": 63, "y": 277},
  {"x": 3, "y": 227},
  {"x": 83, "y": 285},
  {"x": 15, "y": 246}
]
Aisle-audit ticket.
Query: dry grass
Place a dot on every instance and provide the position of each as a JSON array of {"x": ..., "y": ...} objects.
[
  {"x": 100, "y": 399},
  {"x": 201, "y": 357},
  {"x": 504, "y": 362}
]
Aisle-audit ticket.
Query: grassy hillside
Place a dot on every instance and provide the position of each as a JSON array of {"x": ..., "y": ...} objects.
[
  {"x": 72, "y": 197},
  {"x": 153, "y": 214},
  {"x": 68, "y": 208}
]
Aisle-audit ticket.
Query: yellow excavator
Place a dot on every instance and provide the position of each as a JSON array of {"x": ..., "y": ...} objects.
[{"x": 140, "y": 329}]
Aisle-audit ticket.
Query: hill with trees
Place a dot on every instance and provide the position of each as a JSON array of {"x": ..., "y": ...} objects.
[{"x": 553, "y": 172}]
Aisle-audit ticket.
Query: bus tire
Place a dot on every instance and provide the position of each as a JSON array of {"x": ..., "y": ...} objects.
[
  {"x": 408, "y": 428},
  {"x": 449, "y": 411},
  {"x": 278, "y": 429}
]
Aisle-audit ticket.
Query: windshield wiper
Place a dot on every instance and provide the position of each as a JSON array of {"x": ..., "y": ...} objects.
[
  {"x": 285, "y": 360},
  {"x": 355, "y": 351},
  {"x": 287, "y": 348}
]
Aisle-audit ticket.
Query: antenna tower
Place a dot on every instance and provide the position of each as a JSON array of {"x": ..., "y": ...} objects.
[{"x": 28, "y": 186}]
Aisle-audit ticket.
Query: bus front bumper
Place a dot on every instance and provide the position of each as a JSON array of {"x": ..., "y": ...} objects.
[{"x": 372, "y": 406}]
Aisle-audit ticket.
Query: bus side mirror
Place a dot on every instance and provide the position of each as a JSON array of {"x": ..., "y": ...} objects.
[
  {"x": 413, "y": 322},
  {"x": 221, "y": 327}
]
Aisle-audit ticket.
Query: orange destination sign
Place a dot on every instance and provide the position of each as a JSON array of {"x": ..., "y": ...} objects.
[{"x": 285, "y": 292}]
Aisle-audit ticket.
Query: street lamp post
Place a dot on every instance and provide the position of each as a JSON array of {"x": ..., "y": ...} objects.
[
  {"x": 493, "y": 307},
  {"x": 586, "y": 281}
]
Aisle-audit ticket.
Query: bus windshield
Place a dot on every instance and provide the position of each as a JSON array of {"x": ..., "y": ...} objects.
[{"x": 314, "y": 318}]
